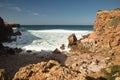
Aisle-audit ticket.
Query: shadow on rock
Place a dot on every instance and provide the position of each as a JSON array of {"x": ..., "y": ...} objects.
[{"x": 12, "y": 63}]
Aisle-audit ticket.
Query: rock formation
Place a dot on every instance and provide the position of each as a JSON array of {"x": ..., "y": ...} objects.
[
  {"x": 51, "y": 70},
  {"x": 72, "y": 40},
  {"x": 106, "y": 33},
  {"x": 95, "y": 51},
  {"x": 11, "y": 24},
  {"x": 104, "y": 41},
  {"x": 5, "y": 32},
  {"x": 3, "y": 75}
]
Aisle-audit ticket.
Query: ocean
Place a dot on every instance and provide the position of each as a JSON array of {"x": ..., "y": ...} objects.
[{"x": 47, "y": 37}]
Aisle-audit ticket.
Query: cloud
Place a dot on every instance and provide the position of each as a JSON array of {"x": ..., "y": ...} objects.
[
  {"x": 16, "y": 8},
  {"x": 10, "y": 6},
  {"x": 36, "y": 14},
  {"x": 3, "y": 5}
]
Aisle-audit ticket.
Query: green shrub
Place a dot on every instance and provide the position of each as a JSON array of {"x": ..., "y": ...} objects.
[
  {"x": 115, "y": 22},
  {"x": 115, "y": 72},
  {"x": 117, "y": 9},
  {"x": 115, "y": 69},
  {"x": 99, "y": 10}
]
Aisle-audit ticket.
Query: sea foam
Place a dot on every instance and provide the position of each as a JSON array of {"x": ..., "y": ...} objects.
[{"x": 38, "y": 40}]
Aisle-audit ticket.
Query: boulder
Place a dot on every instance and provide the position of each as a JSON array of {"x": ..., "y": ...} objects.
[
  {"x": 18, "y": 33},
  {"x": 72, "y": 39},
  {"x": 3, "y": 75},
  {"x": 50, "y": 70},
  {"x": 117, "y": 78},
  {"x": 17, "y": 50},
  {"x": 56, "y": 51},
  {"x": 29, "y": 51},
  {"x": 62, "y": 47}
]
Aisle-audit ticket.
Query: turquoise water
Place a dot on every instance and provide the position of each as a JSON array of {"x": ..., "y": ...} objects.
[{"x": 48, "y": 37}]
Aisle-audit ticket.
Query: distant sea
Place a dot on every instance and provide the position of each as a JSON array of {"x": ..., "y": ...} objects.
[{"x": 47, "y": 37}]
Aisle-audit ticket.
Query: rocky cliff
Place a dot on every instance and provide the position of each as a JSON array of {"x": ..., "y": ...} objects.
[
  {"x": 51, "y": 70},
  {"x": 97, "y": 50},
  {"x": 104, "y": 41},
  {"x": 106, "y": 33},
  {"x": 8, "y": 24},
  {"x": 5, "y": 32}
]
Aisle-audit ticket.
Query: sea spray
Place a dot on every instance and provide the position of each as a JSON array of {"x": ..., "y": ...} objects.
[{"x": 46, "y": 39}]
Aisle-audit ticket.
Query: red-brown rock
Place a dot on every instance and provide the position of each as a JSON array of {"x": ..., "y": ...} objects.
[{"x": 72, "y": 39}]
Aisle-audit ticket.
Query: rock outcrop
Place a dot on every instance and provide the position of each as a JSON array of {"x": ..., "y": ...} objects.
[
  {"x": 95, "y": 51},
  {"x": 106, "y": 33},
  {"x": 3, "y": 75},
  {"x": 107, "y": 29},
  {"x": 104, "y": 41},
  {"x": 51, "y": 70},
  {"x": 72, "y": 40},
  {"x": 11, "y": 24},
  {"x": 5, "y": 32}
]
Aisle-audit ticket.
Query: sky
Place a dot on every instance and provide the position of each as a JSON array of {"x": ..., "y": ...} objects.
[{"x": 54, "y": 12}]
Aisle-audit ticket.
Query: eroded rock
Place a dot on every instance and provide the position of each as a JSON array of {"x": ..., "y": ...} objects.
[
  {"x": 56, "y": 51},
  {"x": 3, "y": 75},
  {"x": 72, "y": 39},
  {"x": 51, "y": 70}
]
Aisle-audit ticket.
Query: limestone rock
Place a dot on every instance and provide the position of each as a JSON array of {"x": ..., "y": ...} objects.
[
  {"x": 117, "y": 78},
  {"x": 3, "y": 75},
  {"x": 51, "y": 70},
  {"x": 72, "y": 39}
]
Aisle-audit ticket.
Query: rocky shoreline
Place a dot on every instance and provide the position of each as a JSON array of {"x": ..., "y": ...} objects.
[{"x": 94, "y": 57}]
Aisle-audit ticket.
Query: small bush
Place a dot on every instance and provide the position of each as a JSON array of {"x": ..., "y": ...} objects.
[
  {"x": 99, "y": 10},
  {"x": 115, "y": 69},
  {"x": 115, "y": 22},
  {"x": 117, "y": 9},
  {"x": 115, "y": 72}
]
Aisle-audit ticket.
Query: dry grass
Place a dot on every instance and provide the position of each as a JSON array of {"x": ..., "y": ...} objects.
[{"x": 115, "y": 22}]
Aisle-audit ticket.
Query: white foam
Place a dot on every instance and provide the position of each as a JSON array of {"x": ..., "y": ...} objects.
[{"x": 45, "y": 39}]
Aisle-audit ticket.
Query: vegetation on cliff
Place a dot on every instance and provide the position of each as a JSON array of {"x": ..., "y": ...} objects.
[
  {"x": 115, "y": 22},
  {"x": 94, "y": 57}
]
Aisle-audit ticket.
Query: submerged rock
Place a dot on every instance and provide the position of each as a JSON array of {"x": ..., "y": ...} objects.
[{"x": 18, "y": 33}]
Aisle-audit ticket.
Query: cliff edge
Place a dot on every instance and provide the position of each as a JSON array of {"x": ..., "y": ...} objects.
[{"x": 87, "y": 56}]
